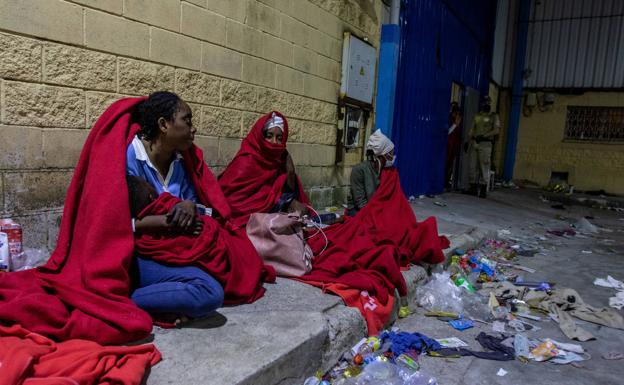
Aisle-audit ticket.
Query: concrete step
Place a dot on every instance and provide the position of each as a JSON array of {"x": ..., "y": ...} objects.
[{"x": 284, "y": 337}]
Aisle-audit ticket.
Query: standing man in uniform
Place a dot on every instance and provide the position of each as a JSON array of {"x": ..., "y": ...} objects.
[{"x": 486, "y": 126}]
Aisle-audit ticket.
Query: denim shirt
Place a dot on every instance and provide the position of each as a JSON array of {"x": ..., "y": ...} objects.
[{"x": 176, "y": 182}]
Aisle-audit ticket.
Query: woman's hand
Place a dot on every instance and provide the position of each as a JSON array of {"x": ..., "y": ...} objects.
[
  {"x": 297, "y": 207},
  {"x": 290, "y": 165},
  {"x": 152, "y": 224},
  {"x": 291, "y": 176},
  {"x": 183, "y": 216}
]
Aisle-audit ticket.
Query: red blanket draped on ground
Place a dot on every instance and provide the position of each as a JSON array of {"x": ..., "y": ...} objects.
[
  {"x": 28, "y": 358},
  {"x": 82, "y": 292},
  {"x": 367, "y": 251},
  {"x": 254, "y": 179},
  {"x": 228, "y": 256}
]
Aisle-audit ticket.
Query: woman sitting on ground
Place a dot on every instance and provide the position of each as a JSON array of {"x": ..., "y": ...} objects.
[
  {"x": 261, "y": 177},
  {"x": 175, "y": 290},
  {"x": 365, "y": 176}
]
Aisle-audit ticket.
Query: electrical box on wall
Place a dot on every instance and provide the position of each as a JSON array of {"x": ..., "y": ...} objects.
[
  {"x": 358, "y": 70},
  {"x": 359, "y": 60}
]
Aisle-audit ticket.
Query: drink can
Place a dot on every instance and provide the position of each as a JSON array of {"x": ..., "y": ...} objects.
[{"x": 14, "y": 234}]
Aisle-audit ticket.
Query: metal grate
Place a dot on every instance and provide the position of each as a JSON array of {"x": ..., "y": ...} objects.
[{"x": 595, "y": 124}]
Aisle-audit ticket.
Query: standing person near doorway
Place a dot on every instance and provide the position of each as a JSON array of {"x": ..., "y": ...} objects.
[
  {"x": 484, "y": 129},
  {"x": 454, "y": 143}
]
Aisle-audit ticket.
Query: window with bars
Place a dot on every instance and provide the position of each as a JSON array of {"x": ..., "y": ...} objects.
[{"x": 595, "y": 124}]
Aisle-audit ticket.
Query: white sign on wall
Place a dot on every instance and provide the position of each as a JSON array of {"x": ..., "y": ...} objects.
[{"x": 358, "y": 69}]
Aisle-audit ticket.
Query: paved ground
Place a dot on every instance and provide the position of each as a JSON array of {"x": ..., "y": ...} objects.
[
  {"x": 295, "y": 329},
  {"x": 562, "y": 260}
]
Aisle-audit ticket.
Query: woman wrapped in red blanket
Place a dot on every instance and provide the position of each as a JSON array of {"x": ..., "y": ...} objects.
[
  {"x": 261, "y": 178},
  {"x": 84, "y": 290}
]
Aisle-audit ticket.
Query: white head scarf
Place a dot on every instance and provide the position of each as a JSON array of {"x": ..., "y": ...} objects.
[
  {"x": 274, "y": 121},
  {"x": 379, "y": 143}
]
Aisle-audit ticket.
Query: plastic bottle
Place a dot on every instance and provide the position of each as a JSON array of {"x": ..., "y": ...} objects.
[
  {"x": 421, "y": 378},
  {"x": 463, "y": 282},
  {"x": 454, "y": 268},
  {"x": 312, "y": 381}
]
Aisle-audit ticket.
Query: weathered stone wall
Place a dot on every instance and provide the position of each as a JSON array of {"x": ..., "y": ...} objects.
[
  {"x": 63, "y": 62},
  {"x": 542, "y": 149}
]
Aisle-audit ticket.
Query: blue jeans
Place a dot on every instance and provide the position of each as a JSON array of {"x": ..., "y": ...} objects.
[{"x": 185, "y": 290}]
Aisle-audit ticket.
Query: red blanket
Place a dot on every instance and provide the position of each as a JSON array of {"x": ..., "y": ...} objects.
[
  {"x": 82, "y": 292},
  {"x": 228, "y": 256},
  {"x": 32, "y": 359},
  {"x": 366, "y": 252},
  {"x": 254, "y": 180}
]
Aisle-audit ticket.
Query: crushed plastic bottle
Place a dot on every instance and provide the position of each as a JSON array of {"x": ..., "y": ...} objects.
[
  {"x": 421, "y": 378},
  {"x": 312, "y": 381}
]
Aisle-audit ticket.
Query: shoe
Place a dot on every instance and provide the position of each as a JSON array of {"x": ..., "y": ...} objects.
[{"x": 482, "y": 191}]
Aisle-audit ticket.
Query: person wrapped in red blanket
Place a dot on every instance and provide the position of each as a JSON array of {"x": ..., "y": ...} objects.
[
  {"x": 361, "y": 258},
  {"x": 261, "y": 178},
  {"x": 209, "y": 247},
  {"x": 83, "y": 291}
]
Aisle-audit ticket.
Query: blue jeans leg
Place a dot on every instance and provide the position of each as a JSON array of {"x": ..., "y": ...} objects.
[{"x": 185, "y": 290}]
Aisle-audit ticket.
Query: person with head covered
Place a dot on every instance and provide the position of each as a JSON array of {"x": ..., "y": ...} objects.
[{"x": 365, "y": 176}]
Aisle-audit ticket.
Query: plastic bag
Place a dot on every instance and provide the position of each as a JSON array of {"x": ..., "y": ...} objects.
[
  {"x": 475, "y": 305},
  {"x": 29, "y": 259},
  {"x": 441, "y": 294},
  {"x": 421, "y": 378},
  {"x": 380, "y": 373}
]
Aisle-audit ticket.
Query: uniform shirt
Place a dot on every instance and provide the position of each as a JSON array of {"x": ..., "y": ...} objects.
[
  {"x": 484, "y": 123},
  {"x": 364, "y": 183},
  {"x": 176, "y": 182}
]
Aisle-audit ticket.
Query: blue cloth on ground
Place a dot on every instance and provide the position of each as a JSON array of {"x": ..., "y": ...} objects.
[{"x": 403, "y": 342}]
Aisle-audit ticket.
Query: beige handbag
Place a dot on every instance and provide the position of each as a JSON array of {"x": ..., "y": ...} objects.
[{"x": 278, "y": 238}]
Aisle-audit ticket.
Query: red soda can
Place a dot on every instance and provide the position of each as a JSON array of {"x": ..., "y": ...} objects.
[{"x": 14, "y": 232}]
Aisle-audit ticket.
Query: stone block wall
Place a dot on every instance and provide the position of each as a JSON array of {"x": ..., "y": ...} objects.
[{"x": 62, "y": 62}]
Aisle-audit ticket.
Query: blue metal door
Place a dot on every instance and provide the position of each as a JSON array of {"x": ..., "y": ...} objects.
[{"x": 441, "y": 41}]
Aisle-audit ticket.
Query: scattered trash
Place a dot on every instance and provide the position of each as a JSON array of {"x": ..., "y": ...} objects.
[
  {"x": 452, "y": 342},
  {"x": 521, "y": 345},
  {"x": 441, "y": 294},
  {"x": 404, "y": 311},
  {"x": 29, "y": 259},
  {"x": 10, "y": 243},
  {"x": 461, "y": 324},
  {"x": 584, "y": 226},
  {"x": 503, "y": 233},
  {"x": 498, "y": 326},
  {"x": 617, "y": 301},
  {"x": 438, "y": 203},
  {"x": 544, "y": 351},
  {"x": 569, "y": 347},
  {"x": 501, "y": 372},
  {"x": 562, "y": 233},
  {"x": 565, "y": 357},
  {"x": 5, "y": 259},
  {"x": 609, "y": 282},
  {"x": 586, "y": 251},
  {"x": 13, "y": 230},
  {"x": 613, "y": 356}
]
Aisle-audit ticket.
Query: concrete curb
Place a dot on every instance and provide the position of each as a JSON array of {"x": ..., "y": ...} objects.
[{"x": 281, "y": 339}]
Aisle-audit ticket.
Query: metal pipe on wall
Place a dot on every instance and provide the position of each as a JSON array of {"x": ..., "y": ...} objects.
[
  {"x": 516, "y": 89},
  {"x": 395, "y": 11},
  {"x": 387, "y": 70}
]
